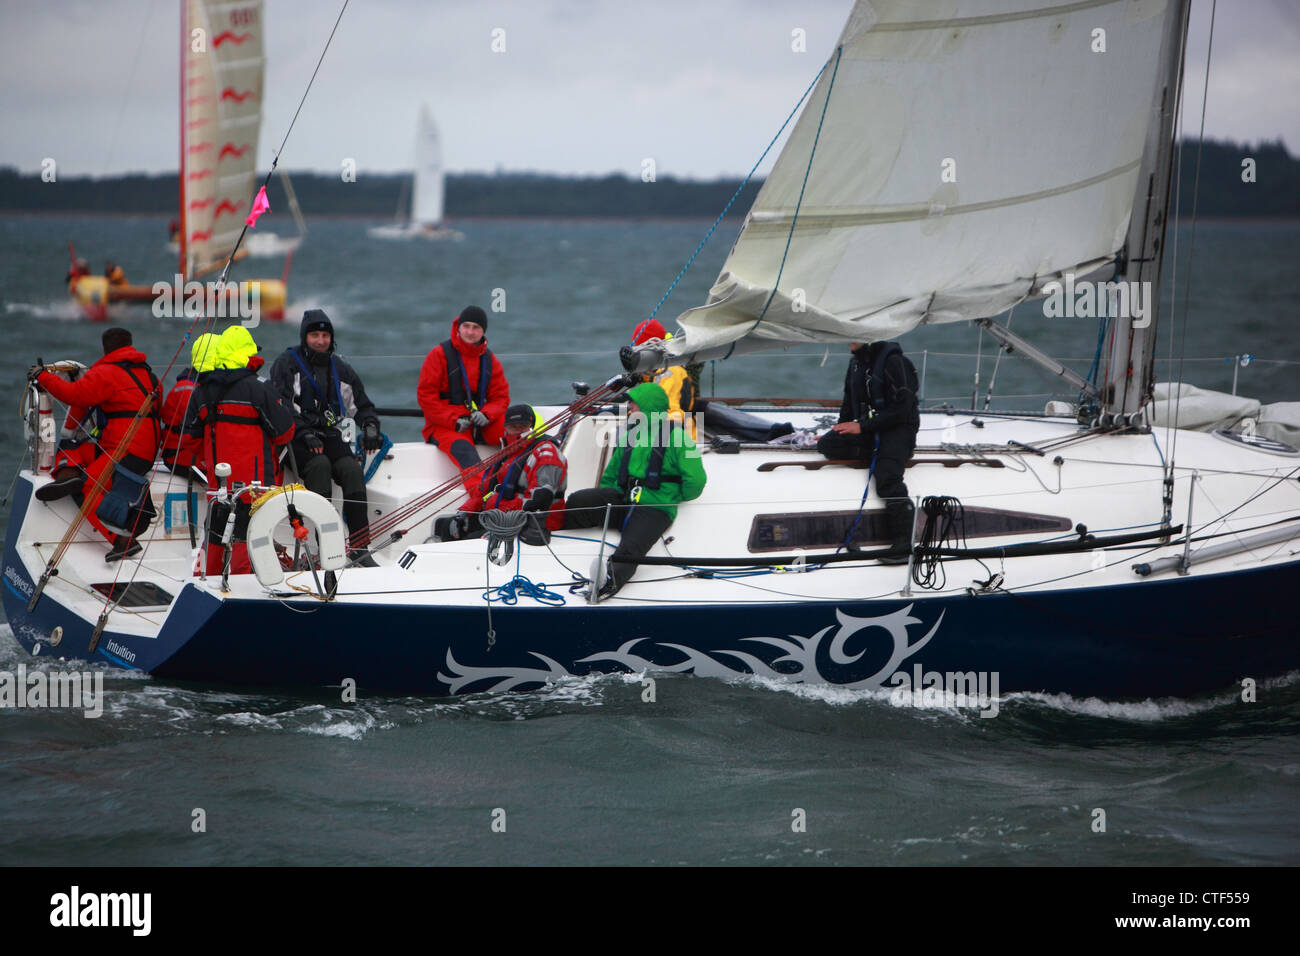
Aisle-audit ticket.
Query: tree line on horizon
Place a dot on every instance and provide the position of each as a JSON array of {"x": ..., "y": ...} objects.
[{"x": 1274, "y": 193}]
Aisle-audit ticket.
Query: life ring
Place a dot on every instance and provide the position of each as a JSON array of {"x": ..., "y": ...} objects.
[{"x": 272, "y": 508}]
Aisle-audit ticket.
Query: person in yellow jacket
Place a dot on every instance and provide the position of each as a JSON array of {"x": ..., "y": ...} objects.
[{"x": 674, "y": 380}]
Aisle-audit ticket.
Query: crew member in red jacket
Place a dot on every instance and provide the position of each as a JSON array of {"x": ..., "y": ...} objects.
[
  {"x": 532, "y": 479},
  {"x": 463, "y": 392},
  {"x": 113, "y": 389},
  {"x": 173, "y": 416},
  {"x": 238, "y": 419}
]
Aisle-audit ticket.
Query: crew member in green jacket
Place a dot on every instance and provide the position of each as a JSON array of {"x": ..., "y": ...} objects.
[{"x": 655, "y": 468}]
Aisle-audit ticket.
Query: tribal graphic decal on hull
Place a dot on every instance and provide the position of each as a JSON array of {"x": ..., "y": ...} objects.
[{"x": 823, "y": 658}]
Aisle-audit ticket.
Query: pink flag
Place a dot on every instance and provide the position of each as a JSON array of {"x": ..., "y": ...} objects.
[{"x": 260, "y": 205}]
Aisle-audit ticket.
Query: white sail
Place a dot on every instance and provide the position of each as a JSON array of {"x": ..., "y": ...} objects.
[
  {"x": 970, "y": 152},
  {"x": 426, "y": 200},
  {"x": 221, "y": 117}
]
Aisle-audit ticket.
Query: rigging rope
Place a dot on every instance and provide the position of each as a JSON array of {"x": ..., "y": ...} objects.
[
  {"x": 275, "y": 160},
  {"x": 736, "y": 195},
  {"x": 794, "y": 219}
]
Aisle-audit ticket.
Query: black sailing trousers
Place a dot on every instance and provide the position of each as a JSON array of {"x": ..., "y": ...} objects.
[
  {"x": 337, "y": 463},
  {"x": 639, "y": 527},
  {"x": 896, "y": 448}
]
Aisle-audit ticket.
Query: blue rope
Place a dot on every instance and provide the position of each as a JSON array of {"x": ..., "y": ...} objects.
[
  {"x": 736, "y": 195},
  {"x": 379, "y": 456},
  {"x": 797, "y": 206},
  {"x": 512, "y": 590},
  {"x": 863, "y": 503}
]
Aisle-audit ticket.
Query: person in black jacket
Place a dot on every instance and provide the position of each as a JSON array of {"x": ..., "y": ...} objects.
[
  {"x": 324, "y": 391},
  {"x": 879, "y": 418}
]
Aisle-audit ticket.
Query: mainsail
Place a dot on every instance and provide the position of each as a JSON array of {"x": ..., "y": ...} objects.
[
  {"x": 426, "y": 201},
  {"x": 969, "y": 153},
  {"x": 222, "y": 65}
]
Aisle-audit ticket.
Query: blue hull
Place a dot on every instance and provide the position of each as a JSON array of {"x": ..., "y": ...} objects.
[{"x": 1175, "y": 637}]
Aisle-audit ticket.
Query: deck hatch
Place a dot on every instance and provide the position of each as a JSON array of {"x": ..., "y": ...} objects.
[
  {"x": 134, "y": 593},
  {"x": 827, "y": 529}
]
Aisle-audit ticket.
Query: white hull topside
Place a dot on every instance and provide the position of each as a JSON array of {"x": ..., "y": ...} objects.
[
  {"x": 414, "y": 231},
  {"x": 1110, "y": 483}
]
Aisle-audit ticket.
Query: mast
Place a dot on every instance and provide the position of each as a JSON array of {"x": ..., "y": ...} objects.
[
  {"x": 182, "y": 238},
  {"x": 1129, "y": 369}
]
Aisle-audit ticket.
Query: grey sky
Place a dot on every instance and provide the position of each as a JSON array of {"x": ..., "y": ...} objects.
[{"x": 585, "y": 86}]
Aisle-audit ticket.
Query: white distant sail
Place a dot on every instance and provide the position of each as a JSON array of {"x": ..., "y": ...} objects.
[
  {"x": 949, "y": 179},
  {"x": 425, "y": 217},
  {"x": 221, "y": 117},
  {"x": 426, "y": 200}
]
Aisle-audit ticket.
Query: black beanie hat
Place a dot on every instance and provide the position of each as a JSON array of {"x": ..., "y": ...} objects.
[
  {"x": 114, "y": 339},
  {"x": 472, "y": 313}
]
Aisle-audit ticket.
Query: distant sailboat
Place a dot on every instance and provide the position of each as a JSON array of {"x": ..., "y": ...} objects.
[
  {"x": 220, "y": 118},
  {"x": 424, "y": 220}
]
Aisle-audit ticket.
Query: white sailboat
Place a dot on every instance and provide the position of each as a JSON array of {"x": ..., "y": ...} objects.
[
  {"x": 221, "y": 121},
  {"x": 944, "y": 169},
  {"x": 222, "y": 70},
  {"x": 423, "y": 220}
]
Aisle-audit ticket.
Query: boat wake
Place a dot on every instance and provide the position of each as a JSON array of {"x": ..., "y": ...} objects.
[
  {"x": 59, "y": 310},
  {"x": 146, "y": 707}
]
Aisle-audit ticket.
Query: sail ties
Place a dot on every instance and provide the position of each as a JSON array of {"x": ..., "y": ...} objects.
[{"x": 839, "y": 51}]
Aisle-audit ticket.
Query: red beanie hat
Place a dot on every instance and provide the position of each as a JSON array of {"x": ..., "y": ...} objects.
[{"x": 647, "y": 330}]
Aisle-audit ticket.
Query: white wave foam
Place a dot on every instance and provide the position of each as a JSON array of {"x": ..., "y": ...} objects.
[
  {"x": 835, "y": 696},
  {"x": 60, "y": 310}
]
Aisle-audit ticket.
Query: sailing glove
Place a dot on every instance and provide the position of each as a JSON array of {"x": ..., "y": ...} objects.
[
  {"x": 371, "y": 440},
  {"x": 478, "y": 418},
  {"x": 313, "y": 443},
  {"x": 540, "y": 501},
  {"x": 462, "y": 423}
]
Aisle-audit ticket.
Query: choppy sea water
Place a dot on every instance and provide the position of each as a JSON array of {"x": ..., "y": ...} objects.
[{"x": 587, "y": 771}]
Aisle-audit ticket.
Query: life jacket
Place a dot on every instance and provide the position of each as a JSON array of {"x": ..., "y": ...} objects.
[
  {"x": 508, "y": 487},
  {"x": 154, "y": 388},
  {"x": 332, "y": 411},
  {"x": 236, "y": 436},
  {"x": 654, "y": 475},
  {"x": 882, "y": 391},
  {"x": 456, "y": 392}
]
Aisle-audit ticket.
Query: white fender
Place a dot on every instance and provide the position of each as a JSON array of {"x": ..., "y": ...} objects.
[{"x": 273, "y": 508}]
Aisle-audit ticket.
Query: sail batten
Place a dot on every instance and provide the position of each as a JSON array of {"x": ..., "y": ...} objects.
[{"x": 962, "y": 162}]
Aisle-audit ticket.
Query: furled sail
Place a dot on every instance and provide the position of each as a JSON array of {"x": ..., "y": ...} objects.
[
  {"x": 222, "y": 67},
  {"x": 970, "y": 152},
  {"x": 426, "y": 202}
]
